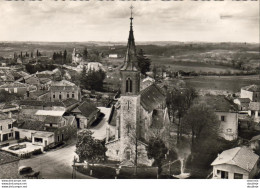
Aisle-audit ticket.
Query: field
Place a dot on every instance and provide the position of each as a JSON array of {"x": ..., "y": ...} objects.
[
  {"x": 189, "y": 65},
  {"x": 232, "y": 84}
]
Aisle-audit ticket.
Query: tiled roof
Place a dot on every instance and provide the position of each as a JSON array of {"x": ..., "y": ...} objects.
[
  {"x": 253, "y": 88},
  {"x": 38, "y": 93},
  {"x": 244, "y": 100},
  {"x": 255, "y": 138},
  {"x": 240, "y": 156},
  {"x": 31, "y": 103},
  {"x": 53, "y": 119},
  {"x": 7, "y": 158},
  {"x": 34, "y": 125},
  {"x": 69, "y": 102},
  {"x": 62, "y": 83},
  {"x": 14, "y": 85},
  {"x": 254, "y": 106},
  {"x": 86, "y": 109},
  {"x": 3, "y": 116},
  {"x": 218, "y": 103},
  {"x": 152, "y": 97}
]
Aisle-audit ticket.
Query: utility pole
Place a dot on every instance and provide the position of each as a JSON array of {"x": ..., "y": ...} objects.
[{"x": 73, "y": 169}]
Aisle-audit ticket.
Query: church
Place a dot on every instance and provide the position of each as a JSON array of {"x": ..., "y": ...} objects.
[{"x": 137, "y": 116}]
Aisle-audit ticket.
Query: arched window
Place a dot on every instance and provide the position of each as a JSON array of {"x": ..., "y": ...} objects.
[{"x": 129, "y": 87}]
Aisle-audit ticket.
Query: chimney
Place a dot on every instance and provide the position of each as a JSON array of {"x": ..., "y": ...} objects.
[
  {"x": 247, "y": 166},
  {"x": 10, "y": 115}
]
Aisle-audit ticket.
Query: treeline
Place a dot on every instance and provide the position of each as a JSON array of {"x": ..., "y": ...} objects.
[
  {"x": 92, "y": 80},
  {"x": 30, "y": 68},
  {"x": 61, "y": 57}
]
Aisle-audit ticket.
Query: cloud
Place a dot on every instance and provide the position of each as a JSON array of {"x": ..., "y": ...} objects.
[{"x": 49, "y": 20}]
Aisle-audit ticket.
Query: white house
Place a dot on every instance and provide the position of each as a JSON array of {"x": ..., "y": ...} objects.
[
  {"x": 6, "y": 127},
  {"x": 235, "y": 163},
  {"x": 253, "y": 110},
  {"x": 227, "y": 113},
  {"x": 113, "y": 56},
  {"x": 252, "y": 92}
]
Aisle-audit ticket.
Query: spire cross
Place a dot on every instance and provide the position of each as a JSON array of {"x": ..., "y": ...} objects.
[{"x": 131, "y": 7}]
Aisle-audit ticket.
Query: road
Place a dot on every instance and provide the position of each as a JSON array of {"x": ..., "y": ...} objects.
[
  {"x": 99, "y": 131},
  {"x": 55, "y": 164}
]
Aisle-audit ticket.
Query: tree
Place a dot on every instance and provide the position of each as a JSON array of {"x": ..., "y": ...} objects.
[
  {"x": 156, "y": 150},
  {"x": 85, "y": 54},
  {"x": 144, "y": 63},
  {"x": 178, "y": 102},
  {"x": 83, "y": 76},
  {"x": 202, "y": 122},
  {"x": 94, "y": 80},
  {"x": 65, "y": 54},
  {"x": 88, "y": 148}
]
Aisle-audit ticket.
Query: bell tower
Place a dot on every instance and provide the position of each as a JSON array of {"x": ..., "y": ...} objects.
[
  {"x": 129, "y": 115},
  {"x": 130, "y": 74}
]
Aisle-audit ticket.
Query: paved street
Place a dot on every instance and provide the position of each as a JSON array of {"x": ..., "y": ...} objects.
[
  {"x": 55, "y": 164},
  {"x": 100, "y": 129}
]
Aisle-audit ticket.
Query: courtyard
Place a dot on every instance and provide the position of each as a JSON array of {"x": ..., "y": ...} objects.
[{"x": 23, "y": 148}]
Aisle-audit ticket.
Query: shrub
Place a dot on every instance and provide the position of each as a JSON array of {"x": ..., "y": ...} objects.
[{"x": 37, "y": 152}]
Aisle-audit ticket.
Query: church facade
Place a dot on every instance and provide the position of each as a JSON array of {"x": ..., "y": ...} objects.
[
  {"x": 137, "y": 116},
  {"x": 76, "y": 57}
]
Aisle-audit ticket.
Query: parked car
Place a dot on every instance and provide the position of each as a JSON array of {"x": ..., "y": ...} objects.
[{"x": 25, "y": 170}]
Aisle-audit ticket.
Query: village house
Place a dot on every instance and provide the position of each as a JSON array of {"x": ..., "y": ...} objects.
[
  {"x": 9, "y": 166},
  {"x": 46, "y": 131},
  {"x": 17, "y": 87},
  {"x": 254, "y": 111},
  {"x": 135, "y": 113},
  {"x": 86, "y": 113},
  {"x": 6, "y": 108},
  {"x": 6, "y": 127},
  {"x": 227, "y": 113},
  {"x": 236, "y": 163},
  {"x": 252, "y": 92},
  {"x": 35, "y": 80},
  {"x": 61, "y": 90},
  {"x": 243, "y": 104},
  {"x": 146, "y": 82},
  {"x": 254, "y": 143}
]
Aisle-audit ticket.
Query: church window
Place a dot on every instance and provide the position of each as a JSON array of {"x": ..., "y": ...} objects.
[
  {"x": 128, "y": 128},
  {"x": 128, "y": 105},
  {"x": 129, "y": 84},
  {"x": 128, "y": 155}
]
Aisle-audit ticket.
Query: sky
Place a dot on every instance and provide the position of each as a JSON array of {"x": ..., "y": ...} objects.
[{"x": 155, "y": 20}]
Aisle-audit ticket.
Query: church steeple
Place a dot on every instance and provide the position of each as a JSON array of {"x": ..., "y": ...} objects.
[
  {"x": 129, "y": 72},
  {"x": 130, "y": 62}
]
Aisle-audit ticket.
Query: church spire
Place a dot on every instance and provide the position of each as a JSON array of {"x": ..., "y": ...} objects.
[{"x": 130, "y": 62}]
